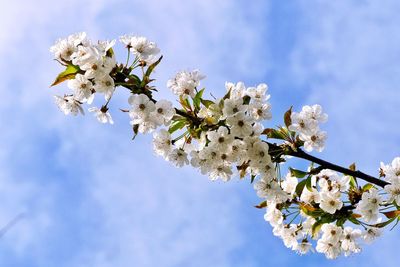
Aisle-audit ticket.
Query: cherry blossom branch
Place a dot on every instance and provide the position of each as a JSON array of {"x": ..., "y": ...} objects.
[{"x": 223, "y": 138}]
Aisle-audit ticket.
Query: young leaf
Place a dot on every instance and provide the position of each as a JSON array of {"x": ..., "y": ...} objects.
[
  {"x": 392, "y": 214},
  {"x": 206, "y": 103},
  {"x": 383, "y": 224},
  {"x": 353, "y": 182},
  {"x": 261, "y": 205},
  {"x": 152, "y": 66},
  {"x": 308, "y": 183},
  {"x": 367, "y": 187},
  {"x": 316, "y": 228},
  {"x": 306, "y": 208},
  {"x": 287, "y": 117},
  {"x": 300, "y": 186},
  {"x": 197, "y": 99},
  {"x": 353, "y": 220},
  {"x": 176, "y": 125},
  {"x": 274, "y": 134},
  {"x": 69, "y": 73},
  {"x": 110, "y": 52},
  {"x": 297, "y": 173}
]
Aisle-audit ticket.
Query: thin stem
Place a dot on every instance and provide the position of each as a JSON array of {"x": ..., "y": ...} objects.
[{"x": 128, "y": 57}]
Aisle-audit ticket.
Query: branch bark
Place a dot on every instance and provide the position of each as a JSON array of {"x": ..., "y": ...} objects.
[{"x": 327, "y": 165}]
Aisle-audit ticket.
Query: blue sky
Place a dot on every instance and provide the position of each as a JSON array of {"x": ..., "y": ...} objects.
[{"x": 92, "y": 197}]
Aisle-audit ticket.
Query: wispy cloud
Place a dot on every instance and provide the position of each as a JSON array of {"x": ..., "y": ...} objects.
[{"x": 96, "y": 198}]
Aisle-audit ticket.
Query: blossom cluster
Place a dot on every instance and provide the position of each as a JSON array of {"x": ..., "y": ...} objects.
[
  {"x": 391, "y": 172},
  {"x": 234, "y": 138},
  {"x": 317, "y": 203},
  {"x": 306, "y": 124},
  {"x": 318, "y": 209}
]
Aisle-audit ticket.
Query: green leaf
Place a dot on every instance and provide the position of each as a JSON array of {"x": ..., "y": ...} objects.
[
  {"x": 367, "y": 187},
  {"x": 308, "y": 183},
  {"x": 341, "y": 221},
  {"x": 274, "y": 134},
  {"x": 383, "y": 224},
  {"x": 197, "y": 99},
  {"x": 287, "y": 117},
  {"x": 152, "y": 67},
  {"x": 146, "y": 77},
  {"x": 206, "y": 103},
  {"x": 68, "y": 74},
  {"x": 353, "y": 220},
  {"x": 353, "y": 182},
  {"x": 297, "y": 173},
  {"x": 300, "y": 186},
  {"x": 110, "y": 52},
  {"x": 307, "y": 208},
  {"x": 134, "y": 79},
  {"x": 316, "y": 228},
  {"x": 176, "y": 125}
]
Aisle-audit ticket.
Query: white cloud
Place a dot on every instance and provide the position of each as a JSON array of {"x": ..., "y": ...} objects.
[
  {"x": 128, "y": 205},
  {"x": 348, "y": 54}
]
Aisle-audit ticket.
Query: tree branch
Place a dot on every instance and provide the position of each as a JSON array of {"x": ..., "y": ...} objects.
[{"x": 327, "y": 165}]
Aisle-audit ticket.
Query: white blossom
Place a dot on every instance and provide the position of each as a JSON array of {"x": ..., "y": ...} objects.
[
  {"x": 141, "y": 107},
  {"x": 258, "y": 93},
  {"x": 162, "y": 144},
  {"x": 273, "y": 215},
  {"x": 314, "y": 141},
  {"x": 240, "y": 125},
  {"x": 371, "y": 234},
  {"x": 102, "y": 115},
  {"x": 330, "y": 202},
  {"x": 260, "y": 111},
  {"x": 69, "y": 105},
  {"x": 82, "y": 87},
  {"x": 315, "y": 112},
  {"x": 141, "y": 47},
  {"x": 289, "y": 184},
  {"x": 236, "y": 91},
  {"x": 105, "y": 85},
  {"x": 368, "y": 206},
  {"x": 222, "y": 171},
  {"x": 303, "y": 124},
  {"x": 303, "y": 247},
  {"x": 184, "y": 83},
  {"x": 349, "y": 241},
  {"x": 392, "y": 171},
  {"x": 233, "y": 106},
  {"x": 163, "y": 113},
  {"x": 393, "y": 190},
  {"x": 331, "y": 249},
  {"x": 65, "y": 48},
  {"x": 178, "y": 157},
  {"x": 312, "y": 196}
]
